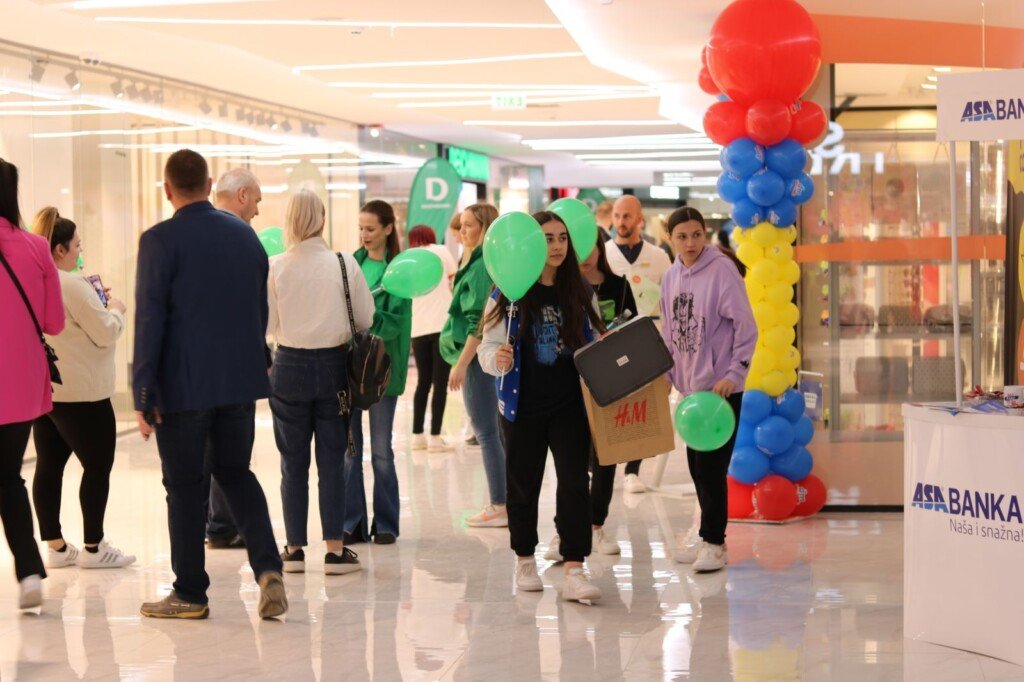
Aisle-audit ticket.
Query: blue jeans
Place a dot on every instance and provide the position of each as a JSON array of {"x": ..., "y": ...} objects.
[
  {"x": 481, "y": 399},
  {"x": 304, "y": 400},
  {"x": 385, "y": 478},
  {"x": 218, "y": 440}
]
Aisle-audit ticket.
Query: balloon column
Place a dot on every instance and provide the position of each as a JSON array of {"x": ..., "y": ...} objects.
[{"x": 760, "y": 59}]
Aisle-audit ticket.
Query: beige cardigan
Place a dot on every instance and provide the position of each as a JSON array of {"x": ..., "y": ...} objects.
[{"x": 85, "y": 349}]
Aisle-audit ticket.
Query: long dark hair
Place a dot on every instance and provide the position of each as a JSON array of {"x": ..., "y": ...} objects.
[
  {"x": 386, "y": 215},
  {"x": 573, "y": 293},
  {"x": 602, "y": 258},
  {"x": 57, "y": 230},
  {"x": 9, "y": 194},
  {"x": 688, "y": 213}
]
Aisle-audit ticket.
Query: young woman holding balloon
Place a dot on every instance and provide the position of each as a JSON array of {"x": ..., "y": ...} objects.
[
  {"x": 710, "y": 329},
  {"x": 459, "y": 341},
  {"x": 542, "y": 405}
]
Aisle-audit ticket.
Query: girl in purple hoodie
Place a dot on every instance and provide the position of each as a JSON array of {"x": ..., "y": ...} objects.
[{"x": 709, "y": 327}]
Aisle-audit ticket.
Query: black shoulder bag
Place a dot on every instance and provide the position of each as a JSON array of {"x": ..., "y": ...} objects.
[
  {"x": 369, "y": 367},
  {"x": 51, "y": 357}
]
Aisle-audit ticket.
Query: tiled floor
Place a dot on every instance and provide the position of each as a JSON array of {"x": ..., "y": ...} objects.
[{"x": 817, "y": 600}]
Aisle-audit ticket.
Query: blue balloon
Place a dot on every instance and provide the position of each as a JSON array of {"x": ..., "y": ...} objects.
[
  {"x": 731, "y": 187},
  {"x": 803, "y": 431},
  {"x": 795, "y": 463},
  {"x": 782, "y": 214},
  {"x": 756, "y": 407},
  {"x": 800, "y": 189},
  {"x": 749, "y": 465},
  {"x": 728, "y": 226},
  {"x": 744, "y": 436},
  {"x": 774, "y": 435},
  {"x": 789, "y": 405},
  {"x": 787, "y": 158},
  {"x": 723, "y": 98},
  {"x": 746, "y": 213},
  {"x": 765, "y": 187},
  {"x": 743, "y": 157}
]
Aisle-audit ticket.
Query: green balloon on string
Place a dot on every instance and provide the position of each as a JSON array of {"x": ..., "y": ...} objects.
[
  {"x": 580, "y": 222},
  {"x": 413, "y": 273},
  {"x": 272, "y": 239},
  {"x": 705, "y": 421},
  {"x": 515, "y": 250}
]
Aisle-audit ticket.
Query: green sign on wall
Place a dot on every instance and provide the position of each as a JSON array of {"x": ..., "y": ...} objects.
[
  {"x": 470, "y": 165},
  {"x": 434, "y": 196}
]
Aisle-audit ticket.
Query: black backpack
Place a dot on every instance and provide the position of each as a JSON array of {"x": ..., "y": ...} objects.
[{"x": 369, "y": 367}]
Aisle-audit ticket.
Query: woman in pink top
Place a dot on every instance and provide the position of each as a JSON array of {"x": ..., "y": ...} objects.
[{"x": 24, "y": 373}]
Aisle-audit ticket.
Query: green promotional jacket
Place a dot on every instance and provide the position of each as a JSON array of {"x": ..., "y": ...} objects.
[
  {"x": 469, "y": 296},
  {"x": 392, "y": 322}
]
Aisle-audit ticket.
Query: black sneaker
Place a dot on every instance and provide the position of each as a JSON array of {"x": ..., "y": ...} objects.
[
  {"x": 230, "y": 542},
  {"x": 294, "y": 562},
  {"x": 340, "y": 564},
  {"x": 384, "y": 539},
  {"x": 352, "y": 539}
]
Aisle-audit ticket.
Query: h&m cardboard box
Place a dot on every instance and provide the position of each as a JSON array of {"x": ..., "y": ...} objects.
[{"x": 635, "y": 427}]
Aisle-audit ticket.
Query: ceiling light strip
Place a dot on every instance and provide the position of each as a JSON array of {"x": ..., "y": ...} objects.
[
  {"x": 516, "y": 87},
  {"x": 570, "y": 124},
  {"x": 328, "y": 23},
  {"x": 439, "y": 62}
]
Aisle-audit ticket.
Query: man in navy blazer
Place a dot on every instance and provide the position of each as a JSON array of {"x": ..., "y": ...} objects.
[{"x": 200, "y": 365}]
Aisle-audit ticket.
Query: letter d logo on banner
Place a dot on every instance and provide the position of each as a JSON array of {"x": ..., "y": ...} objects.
[{"x": 432, "y": 200}]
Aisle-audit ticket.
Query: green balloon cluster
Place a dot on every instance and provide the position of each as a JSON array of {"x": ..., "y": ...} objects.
[
  {"x": 515, "y": 250},
  {"x": 413, "y": 273},
  {"x": 705, "y": 421},
  {"x": 272, "y": 239},
  {"x": 580, "y": 222}
]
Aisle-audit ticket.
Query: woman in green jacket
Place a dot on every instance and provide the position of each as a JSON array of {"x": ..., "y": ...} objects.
[
  {"x": 392, "y": 322},
  {"x": 459, "y": 341}
]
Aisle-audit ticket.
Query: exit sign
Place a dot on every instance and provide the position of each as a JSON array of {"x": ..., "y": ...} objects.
[{"x": 508, "y": 100}]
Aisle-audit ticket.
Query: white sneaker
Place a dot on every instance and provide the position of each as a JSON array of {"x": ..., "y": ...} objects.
[
  {"x": 419, "y": 441},
  {"x": 105, "y": 556},
  {"x": 578, "y": 587},
  {"x": 55, "y": 559},
  {"x": 30, "y": 593},
  {"x": 554, "y": 553},
  {"x": 710, "y": 558},
  {"x": 438, "y": 444},
  {"x": 687, "y": 554},
  {"x": 492, "y": 516},
  {"x": 527, "y": 579},
  {"x": 602, "y": 545},
  {"x": 634, "y": 484}
]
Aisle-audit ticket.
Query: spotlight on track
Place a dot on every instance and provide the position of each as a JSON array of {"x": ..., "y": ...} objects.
[
  {"x": 72, "y": 80},
  {"x": 117, "y": 87},
  {"x": 37, "y": 71}
]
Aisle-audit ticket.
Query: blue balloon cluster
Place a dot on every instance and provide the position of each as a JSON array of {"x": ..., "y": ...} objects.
[
  {"x": 772, "y": 438},
  {"x": 764, "y": 184}
]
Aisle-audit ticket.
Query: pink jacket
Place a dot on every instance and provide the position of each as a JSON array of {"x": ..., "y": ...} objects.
[{"x": 25, "y": 391}]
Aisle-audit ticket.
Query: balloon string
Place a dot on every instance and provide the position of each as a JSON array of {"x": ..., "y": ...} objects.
[
  {"x": 508, "y": 340},
  {"x": 376, "y": 290}
]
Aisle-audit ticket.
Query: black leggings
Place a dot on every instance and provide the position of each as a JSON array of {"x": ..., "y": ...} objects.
[
  {"x": 708, "y": 470},
  {"x": 431, "y": 371},
  {"x": 602, "y": 481},
  {"x": 90, "y": 431},
  {"x": 15, "y": 510}
]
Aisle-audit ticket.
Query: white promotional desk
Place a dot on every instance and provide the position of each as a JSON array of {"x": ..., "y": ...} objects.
[{"x": 963, "y": 572}]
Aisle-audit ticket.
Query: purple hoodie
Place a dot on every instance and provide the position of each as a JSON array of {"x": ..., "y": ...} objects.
[{"x": 707, "y": 322}]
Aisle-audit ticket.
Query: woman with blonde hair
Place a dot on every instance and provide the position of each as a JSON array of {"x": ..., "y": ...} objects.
[
  {"x": 308, "y": 320},
  {"x": 82, "y": 420}
]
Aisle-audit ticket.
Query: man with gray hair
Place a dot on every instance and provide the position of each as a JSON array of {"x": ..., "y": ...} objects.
[{"x": 238, "y": 192}]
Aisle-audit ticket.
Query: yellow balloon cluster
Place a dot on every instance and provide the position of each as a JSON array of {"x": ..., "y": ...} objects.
[{"x": 767, "y": 251}]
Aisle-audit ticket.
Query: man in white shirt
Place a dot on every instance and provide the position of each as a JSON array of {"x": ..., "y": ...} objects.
[{"x": 643, "y": 264}]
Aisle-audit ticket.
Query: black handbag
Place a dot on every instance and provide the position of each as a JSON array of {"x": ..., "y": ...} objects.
[
  {"x": 51, "y": 356},
  {"x": 627, "y": 359},
  {"x": 369, "y": 367}
]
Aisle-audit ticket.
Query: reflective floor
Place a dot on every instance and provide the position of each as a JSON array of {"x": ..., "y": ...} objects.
[{"x": 817, "y": 600}]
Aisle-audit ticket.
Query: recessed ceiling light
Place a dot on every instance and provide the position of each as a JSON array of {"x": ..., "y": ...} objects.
[
  {"x": 439, "y": 62},
  {"x": 933, "y": 79},
  {"x": 330, "y": 23}
]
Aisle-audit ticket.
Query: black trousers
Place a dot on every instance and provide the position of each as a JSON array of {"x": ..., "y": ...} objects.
[
  {"x": 708, "y": 470},
  {"x": 15, "y": 511},
  {"x": 431, "y": 372},
  {"x": 602, "y": 482},
  {"x": 527, "y": 440},
  {"x": 89, "y": 430}
]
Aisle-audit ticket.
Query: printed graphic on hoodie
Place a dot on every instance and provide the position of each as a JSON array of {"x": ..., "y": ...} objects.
[
  {"x": 688, "y": 331},
  {"x": 547, "y": 342}
]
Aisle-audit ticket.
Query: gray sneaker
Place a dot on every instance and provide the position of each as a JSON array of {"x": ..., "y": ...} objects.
[
  {"x": 273, "y": 600},
  {"x": 173, "y": 607}
]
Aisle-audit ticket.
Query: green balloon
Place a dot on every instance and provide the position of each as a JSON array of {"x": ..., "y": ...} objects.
[
  {"x": 705, "y": 421},
  {"x": 515, "y": 250},
  {"x": 413, "y": 273},
  {"x": 581, "y": 224},
  {"x": 272, "y": 239}
]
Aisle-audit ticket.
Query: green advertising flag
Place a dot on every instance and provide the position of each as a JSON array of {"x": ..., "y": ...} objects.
[
  {"x": 591, "y": 197},
  {"x": 434, "y": 196}
]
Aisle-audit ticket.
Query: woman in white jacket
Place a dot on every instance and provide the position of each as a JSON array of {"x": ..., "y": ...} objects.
[{"x": 82, "y": 420}]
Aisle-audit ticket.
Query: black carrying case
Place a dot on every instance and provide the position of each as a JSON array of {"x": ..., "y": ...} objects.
[{"x": 627, "y": 359}]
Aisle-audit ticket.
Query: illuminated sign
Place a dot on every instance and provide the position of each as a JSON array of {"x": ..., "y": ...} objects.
[
  {"x": 835, "y": 153},
  {"x": 470, "y": 165}
]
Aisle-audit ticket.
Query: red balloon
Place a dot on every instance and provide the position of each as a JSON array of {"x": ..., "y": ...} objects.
[
  {"x": 741, "y": 502},
  {"x": 768, "y": 122},
  {"x": 812, "y": 494},
  {"x": 775, "y": 498},
  {"x": 809, "y": 122},
  {"x": 704, "y": 57},
  {"x": 777, "y": 553},
  {"x": 706, "y": 83},
  {"x": 764, "y": 49},
  {"x": 725, "y": 122}
]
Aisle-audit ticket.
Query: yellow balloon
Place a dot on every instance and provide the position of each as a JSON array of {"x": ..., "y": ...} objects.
[
  {"x": 766, "y": 272},
  {"x": 750, "y": 254},
  {"x": 754, "y": 380},
  {"x": 755, "y": 290},
  {"x": 774, "y": 383},
  {"x": 779, "y": 294},
  {"x": 788, "y": 315},
  {"x": 766, "y": 315},
  {"x": 791, "y": 234},
  {"x": 780, "y": 252},
  {"x": 790, "y": 359},
  {"x": 779, "y": 338},
  {"x": 765, "y": 361},
  {"x": 789, "y": 272},
  {"x": 765, "y": 235},
  {"x": 790, "y": 378},
  {"x": 739, "y": 235}
]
